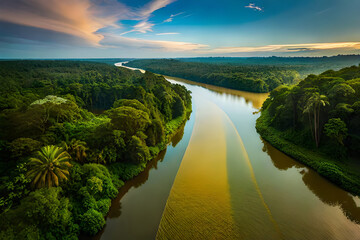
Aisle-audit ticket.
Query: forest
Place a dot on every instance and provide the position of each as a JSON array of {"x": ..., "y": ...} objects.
[
  {"x": 72, "y": 132},
  {"x": 252, "y": 78},
  {"x": 304, "y": 65},
  {"x": 317, "y": 122}
]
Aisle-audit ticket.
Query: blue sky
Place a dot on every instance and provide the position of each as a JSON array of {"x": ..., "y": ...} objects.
[{"x": 177, "y": 28}]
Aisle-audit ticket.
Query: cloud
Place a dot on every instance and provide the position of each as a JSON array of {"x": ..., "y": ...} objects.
[
  {"x": 286, "y": 48},
  {"x": 170, "y": 19},
  {"x": 167, "y": 33},
  {"x": 253, "y": 6},
  {"x": 116, "y": 41},
  {"x": 154, "y": 6},
  {"x": 142, "y": 27},
  {"x": 80, "y": 18},
  {"x": 145, "y": 13}
]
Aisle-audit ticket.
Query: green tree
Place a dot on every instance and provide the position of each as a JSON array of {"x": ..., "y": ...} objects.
[
  {"x": 138, "y": 152},
  {"x": 130, "y": 103},
  {"x": 313, "y": 106},
  {"x": 294, "y": 96},
  {"x": 45, "y": 212},
  {"x": 129, "y": 120},
  {"x": 49, "y": 167},
  {"x": 178, "y": 107},
  {"x": 91, "y": 222},
  {"x": 341, "y": 91},
  {"x": 336, "y": 129},
  {"x": 14, "y": 187},
  {"x": 23, "y": 146},
  {"x": 77, "y": 149}
]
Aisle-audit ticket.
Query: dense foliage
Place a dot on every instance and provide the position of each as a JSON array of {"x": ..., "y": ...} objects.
[
  {"x": 304, "y": 65},
  {"x": 71, "y": 133},
  {"x": 255, "y": 78},
  {"x": 318, "y": 122}
]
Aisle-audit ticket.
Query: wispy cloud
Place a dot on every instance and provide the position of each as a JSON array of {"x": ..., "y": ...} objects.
[
  {"x": 167, "y": 33},
  {"x": 80, "y": 18},
  {"x": 154, "y": 5},
  {"x": 253, "y": 6},
  {"x": 145, "y": 13},
  {"x": 171, "y": 18},
  {"x": 168, "y": 20},
  {"x": 141, "y": 27},
  {"x": 323, "y": 11},
  {"x": 157, "y": 45}
]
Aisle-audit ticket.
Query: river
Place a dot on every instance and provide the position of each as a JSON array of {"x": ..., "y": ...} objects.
[{"x": 219, "y": 180}]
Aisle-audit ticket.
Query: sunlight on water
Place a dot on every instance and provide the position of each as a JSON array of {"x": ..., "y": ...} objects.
[
  {"x": 240, "y": 170},
  {"x": 256, "y": 99},
  {"x": 199, "y": 203}
]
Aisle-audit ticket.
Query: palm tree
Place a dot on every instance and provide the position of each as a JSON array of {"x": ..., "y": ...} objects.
[
  {"x": 49, "y": 167},
  {"x": 76, "y": 148},
  {"x": 312, "y": 107}
]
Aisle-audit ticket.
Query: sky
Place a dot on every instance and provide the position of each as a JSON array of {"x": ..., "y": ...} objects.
[{"x": 177, "y": 28}]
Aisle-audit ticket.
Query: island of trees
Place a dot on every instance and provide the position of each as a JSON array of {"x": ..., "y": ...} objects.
[
  {"x": 252, "y": 78},
  {"x": 71, "y": 133},
  {"x": 318, "y": 123}
]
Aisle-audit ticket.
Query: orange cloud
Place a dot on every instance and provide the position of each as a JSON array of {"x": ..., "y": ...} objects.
[
  {"x": 74, "y": 17},
  {"x": 166, "y": 46}
]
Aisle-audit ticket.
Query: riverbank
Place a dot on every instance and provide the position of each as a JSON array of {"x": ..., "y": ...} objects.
[
  {"x": 337, "y": 172},
  {"x": 122, "y": 173},
  {"x": 127, "y": 171},
  {"x": 256, "y": 79}
]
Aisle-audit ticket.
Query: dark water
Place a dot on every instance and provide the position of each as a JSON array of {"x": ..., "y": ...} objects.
[
  {"x": 222, "y": 180},
  {"x": 137, "y": 210}
]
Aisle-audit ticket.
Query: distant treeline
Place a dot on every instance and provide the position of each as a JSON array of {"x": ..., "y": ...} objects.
[
  {"x": 247, "y": 78},
  {"x": 304, "y": 65}
]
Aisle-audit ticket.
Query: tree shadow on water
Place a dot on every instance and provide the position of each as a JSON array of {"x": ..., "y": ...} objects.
[
  {"x": 326, "y": 191},
  {"x": 115, "y": 209}
]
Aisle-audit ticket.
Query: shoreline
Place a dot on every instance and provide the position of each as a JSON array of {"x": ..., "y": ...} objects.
[
  {"x": 338, "y": 173},
  {"x": 156, "y": 151}
]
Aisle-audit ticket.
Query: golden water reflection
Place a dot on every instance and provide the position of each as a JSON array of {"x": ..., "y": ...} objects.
[
  {"x": 256, "y": 99},
  {"x": 199, "y": 203}
]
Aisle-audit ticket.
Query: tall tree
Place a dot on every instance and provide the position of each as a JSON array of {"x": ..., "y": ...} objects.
[
  {"x": 313, "y": 107},
  {"x": 77, "y": 149},
  {"x": 294, "y": 96},
  {"x": 336, "y": 129},
  {"x": 49, "y": 167}
]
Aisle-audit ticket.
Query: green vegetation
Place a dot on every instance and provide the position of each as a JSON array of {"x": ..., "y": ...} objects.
[
  {"x": 318, "y": 123},
  {"x": 50, "y": 167},
  {"x": 72, "y": 133},
  {"x": 254, "y": 78},
  {"x": 304, "y": 65}
]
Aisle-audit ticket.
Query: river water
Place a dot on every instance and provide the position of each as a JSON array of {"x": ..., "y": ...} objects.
[{"x": 219, "y": 180}]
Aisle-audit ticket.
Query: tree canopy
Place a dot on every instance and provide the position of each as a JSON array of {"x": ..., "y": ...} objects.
[
  {"x": 64, "y": 124},
  {"x": 253, "y": 78}
]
